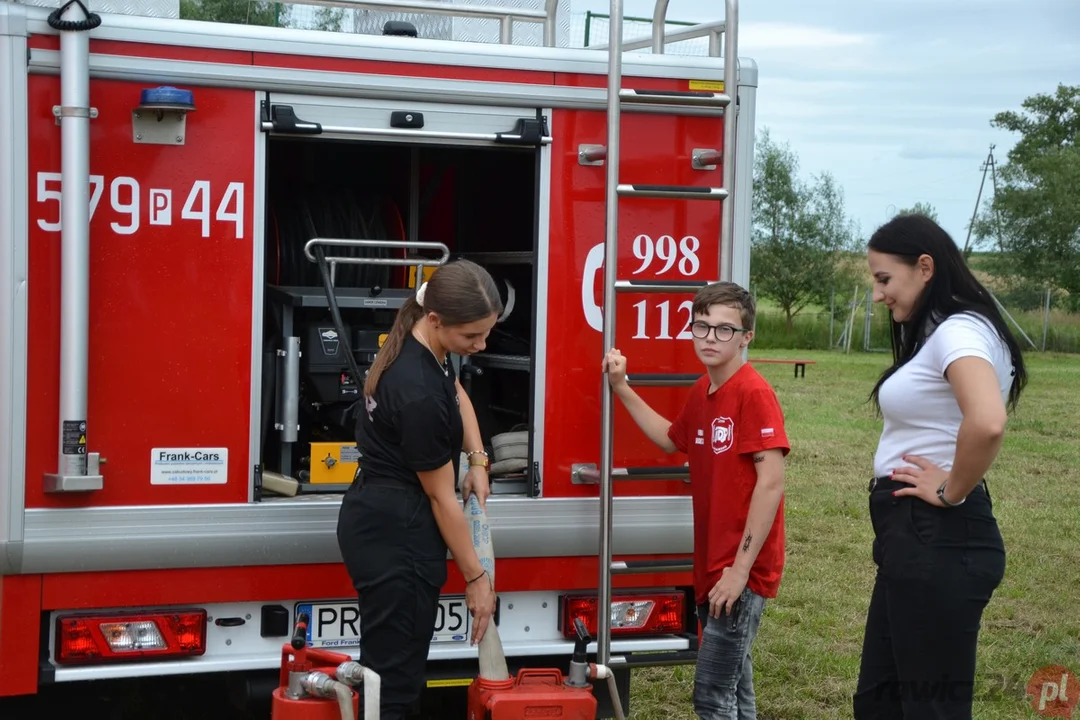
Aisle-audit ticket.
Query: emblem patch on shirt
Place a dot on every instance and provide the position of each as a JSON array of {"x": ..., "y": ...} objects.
[
  {"x": 767, "y": 432},
  {"x": 723, "y": 434}
]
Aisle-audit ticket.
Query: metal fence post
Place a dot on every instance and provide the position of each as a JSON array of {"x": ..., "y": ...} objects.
[
  {"x": 1046, "y": 320},
  {"x": 832, "y": 314}
]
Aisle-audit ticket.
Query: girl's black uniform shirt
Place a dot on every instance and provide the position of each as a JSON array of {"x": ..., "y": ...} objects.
[{"x": 413, "y": 424}]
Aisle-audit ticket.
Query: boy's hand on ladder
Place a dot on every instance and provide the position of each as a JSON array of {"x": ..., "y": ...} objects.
[{"x": 615, "y": 366}]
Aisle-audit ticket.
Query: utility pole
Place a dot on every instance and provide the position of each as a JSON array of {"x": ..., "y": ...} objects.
[{"x": 989, "y": 165}]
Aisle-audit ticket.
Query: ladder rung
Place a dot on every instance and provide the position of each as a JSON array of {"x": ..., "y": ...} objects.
[
  {"x": 659, "y": 286},
  {"x": 678, "y": 192},
  {"x": 587, "y": 474},
  {"x": 675, "y": 97},
  {"x": 632, "y": 567},
  {"x": 663, "y": 379}
]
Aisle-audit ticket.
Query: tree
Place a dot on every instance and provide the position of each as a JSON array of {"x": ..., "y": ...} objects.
[
  {"x": 330, "y": 19},
  {"x": 240, "y": 12},
  {"x": 1035, "y": 210},
  {"x": 921, "y": 208},
  {"x": 800, "y": 231}
]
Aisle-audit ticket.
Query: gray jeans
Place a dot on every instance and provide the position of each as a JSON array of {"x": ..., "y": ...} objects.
[{"x": 724, "y": 676}]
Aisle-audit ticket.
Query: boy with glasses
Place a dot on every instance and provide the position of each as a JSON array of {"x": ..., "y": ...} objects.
[{"x": 732, "y": 430}]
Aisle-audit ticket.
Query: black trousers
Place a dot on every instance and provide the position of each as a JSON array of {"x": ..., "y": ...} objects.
[
  {"x": 396, "y": 557},
  {"x": 937, "y": 569}
]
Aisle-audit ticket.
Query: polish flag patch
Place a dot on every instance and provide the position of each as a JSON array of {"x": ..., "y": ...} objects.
[{"x": 767, "y": 432}]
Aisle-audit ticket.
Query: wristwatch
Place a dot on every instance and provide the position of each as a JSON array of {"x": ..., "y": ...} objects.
[
  {"x": 483, "y": 462},
  {"x": 941, "y": 496}
]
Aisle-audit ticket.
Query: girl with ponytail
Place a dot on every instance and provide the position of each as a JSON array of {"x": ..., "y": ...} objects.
[{"x": 401, "y": 514}]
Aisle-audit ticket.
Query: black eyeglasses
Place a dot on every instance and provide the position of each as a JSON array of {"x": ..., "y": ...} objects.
[{"x": 723, "y": 333}]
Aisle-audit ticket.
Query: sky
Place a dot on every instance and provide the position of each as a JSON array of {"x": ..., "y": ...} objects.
[{"x": 894, "y": 98}]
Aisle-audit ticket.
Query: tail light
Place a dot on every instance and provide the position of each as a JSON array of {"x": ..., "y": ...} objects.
[
  {"x": 645, "y": 614},
  {"x": 137, "y": 636}
]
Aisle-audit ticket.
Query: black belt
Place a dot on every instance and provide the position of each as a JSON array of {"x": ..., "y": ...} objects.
[
  {"x": 360, "y": 481},
  {"x": 886, "y": 482}
]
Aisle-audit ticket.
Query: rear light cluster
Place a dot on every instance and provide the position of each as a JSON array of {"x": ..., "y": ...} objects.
[
  {"x": 638, "y": 614},
  {"x": 137, "y": 636}
]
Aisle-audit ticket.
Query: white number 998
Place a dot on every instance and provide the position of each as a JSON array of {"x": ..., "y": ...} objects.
[{"x": 664, "y": 250}]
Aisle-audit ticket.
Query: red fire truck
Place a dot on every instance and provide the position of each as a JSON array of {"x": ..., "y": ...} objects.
[{"x": 198, "y": 221}]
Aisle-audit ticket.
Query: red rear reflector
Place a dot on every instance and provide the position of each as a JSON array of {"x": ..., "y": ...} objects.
[
  {"x": 645, "y": 614},
  {"x": 138, "y": 636}
]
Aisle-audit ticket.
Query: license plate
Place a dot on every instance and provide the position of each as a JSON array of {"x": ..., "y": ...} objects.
[{"x": 337, "y": 624}]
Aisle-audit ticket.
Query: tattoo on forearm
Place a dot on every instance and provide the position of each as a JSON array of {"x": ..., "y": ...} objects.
[
  {"x": 759, "y": 458},
  {"x": 746, "y": 542}
]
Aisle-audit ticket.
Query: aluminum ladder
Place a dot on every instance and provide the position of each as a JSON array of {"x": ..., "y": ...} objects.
[{"x": 616, "y": 188}]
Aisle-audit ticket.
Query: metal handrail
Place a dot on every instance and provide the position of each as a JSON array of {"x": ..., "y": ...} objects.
[
  {"x": 731, "y": 60},
  {"x": 611, "y": 261},
  {"x": 713, "y": 30},
  {"x": 381, "y": 244},
  {"x": 551, "y": 7}
]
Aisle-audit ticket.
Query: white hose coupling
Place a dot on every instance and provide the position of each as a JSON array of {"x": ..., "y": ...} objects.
[
  {"x": 319, "y": 684},
  {"x": 350, "y": 672},
  {"x": 600, "y": 672}
]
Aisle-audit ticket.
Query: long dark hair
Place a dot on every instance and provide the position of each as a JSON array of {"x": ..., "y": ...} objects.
[
  {"x": 459, "y": 292},
  {"x": 953, "y": 289}
]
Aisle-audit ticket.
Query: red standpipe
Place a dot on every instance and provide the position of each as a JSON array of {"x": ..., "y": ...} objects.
[{"x": 290, "y": 701}]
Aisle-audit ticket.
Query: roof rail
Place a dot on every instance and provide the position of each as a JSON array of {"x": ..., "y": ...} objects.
[
  {"x": 713, "y": 30},
  {"x": 507, "y": 15}
]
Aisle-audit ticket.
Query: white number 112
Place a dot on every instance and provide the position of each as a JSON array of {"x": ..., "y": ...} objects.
[{"x": 664, "y": 311}]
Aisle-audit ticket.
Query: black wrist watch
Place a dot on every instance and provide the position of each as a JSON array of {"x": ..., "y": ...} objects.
[{"x": 941, "y": 496}]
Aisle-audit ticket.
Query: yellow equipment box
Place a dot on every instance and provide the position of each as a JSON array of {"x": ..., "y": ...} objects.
[
  {"x": 333, "y": 462},
  {"x": 428, "y": 270}
]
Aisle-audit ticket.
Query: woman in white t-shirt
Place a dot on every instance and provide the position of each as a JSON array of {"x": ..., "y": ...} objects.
[{"x": 939, "y": 555}]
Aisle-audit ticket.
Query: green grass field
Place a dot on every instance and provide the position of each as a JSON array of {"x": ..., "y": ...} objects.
[{"x": 807, "y": 652}]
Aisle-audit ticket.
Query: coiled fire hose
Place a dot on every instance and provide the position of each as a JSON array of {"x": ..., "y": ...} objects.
[{"x": 492, "y": 658}]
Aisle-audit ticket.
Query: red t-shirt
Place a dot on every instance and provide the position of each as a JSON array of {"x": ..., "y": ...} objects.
[{"x": 719, "y": 431}]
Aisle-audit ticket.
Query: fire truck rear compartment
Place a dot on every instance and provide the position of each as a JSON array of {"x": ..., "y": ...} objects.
[{"x": 479, "y": 202}]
